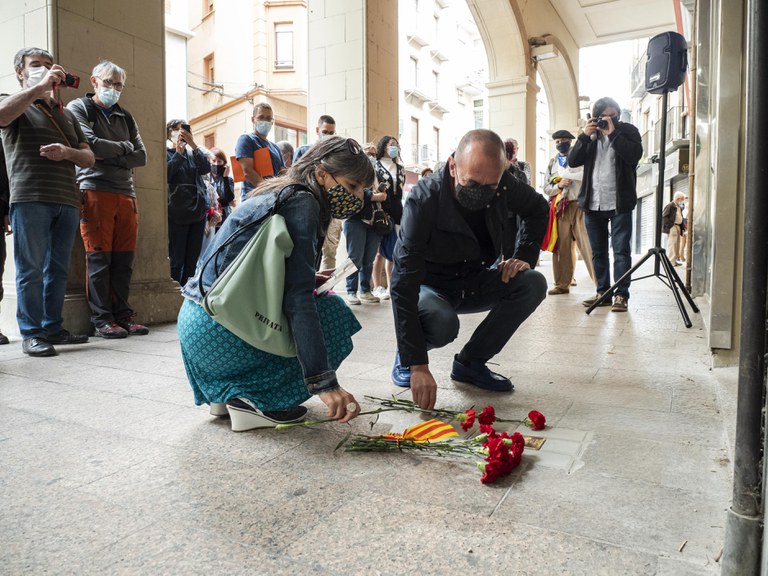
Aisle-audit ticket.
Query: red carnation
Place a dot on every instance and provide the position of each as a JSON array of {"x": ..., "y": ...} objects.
[
  {"x": 492, "y": 472},
  {"x": 536, "y": 420},
  {"x": 467, "y": 420},
  {"x": 518, "y": 442},
  {"x": 487, "y": 416},
  {"x": 487, "y": 429}
]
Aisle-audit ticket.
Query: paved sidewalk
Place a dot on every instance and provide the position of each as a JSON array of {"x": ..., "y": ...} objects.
[{"x": 108, "y": 468}]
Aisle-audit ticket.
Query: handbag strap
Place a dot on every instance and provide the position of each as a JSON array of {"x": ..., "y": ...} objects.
[{"x": 280, "y": 201}]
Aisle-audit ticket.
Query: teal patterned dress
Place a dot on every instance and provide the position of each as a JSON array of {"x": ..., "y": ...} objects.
[{"x": 221, "y": 366}]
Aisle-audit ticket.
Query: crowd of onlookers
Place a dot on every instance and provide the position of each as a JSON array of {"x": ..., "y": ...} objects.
[{"x": 466, "y": 239}]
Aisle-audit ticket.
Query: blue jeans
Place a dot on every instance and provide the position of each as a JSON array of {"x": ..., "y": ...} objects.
[
  {"x": 362, "y": 245},
  {"x": 43, "y": 234},
  {"x": 509, "y": 304},
  {"x": 621, "y": 238}
]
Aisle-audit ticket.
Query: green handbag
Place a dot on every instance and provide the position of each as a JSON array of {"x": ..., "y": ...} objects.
[{"x": 247, "y": 298}]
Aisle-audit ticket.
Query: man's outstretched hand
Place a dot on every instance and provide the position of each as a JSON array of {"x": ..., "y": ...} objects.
[{"x": 423, "y": 386}]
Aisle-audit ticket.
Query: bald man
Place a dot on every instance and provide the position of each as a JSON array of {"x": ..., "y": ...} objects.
[{"x": 469, "y": 240}]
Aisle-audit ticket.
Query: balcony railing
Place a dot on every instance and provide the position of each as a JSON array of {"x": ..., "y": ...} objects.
[
  {"x": 422, "y": 154},
  {"x": 649, "y": 144},
  {"x": 637, "y": 80},
  {"x": 677, "y": 128}
]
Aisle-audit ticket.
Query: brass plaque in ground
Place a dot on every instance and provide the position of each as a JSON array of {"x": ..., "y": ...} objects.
[{"x": 535, "y": 442}]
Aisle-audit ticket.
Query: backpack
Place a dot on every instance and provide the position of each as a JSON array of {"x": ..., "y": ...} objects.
[{"x": 90, "y": 110}]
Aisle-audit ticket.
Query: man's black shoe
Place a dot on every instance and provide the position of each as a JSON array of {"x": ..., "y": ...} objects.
[
  {"x": 37, "y": 347},
  {"x": 478, "y": 374},
  {"x": 3, "y": 339},
  {"x": 66, "y": 337}
]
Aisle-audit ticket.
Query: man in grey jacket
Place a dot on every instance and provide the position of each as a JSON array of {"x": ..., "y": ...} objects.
[{"x": 109, "y": 222}]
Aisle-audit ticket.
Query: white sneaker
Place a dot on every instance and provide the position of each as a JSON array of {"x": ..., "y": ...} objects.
[
  {"x": 381, "y": 293},
  {"x": 368, "y": 298},
  {"x": 352, "y": 300}
]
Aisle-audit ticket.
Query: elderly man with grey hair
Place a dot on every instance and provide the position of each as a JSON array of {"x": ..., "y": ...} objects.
[
  {"x": 469, "y": 238},
  {"x": 286, "y": 149},
  {"x": 43, "y": 143},
  {"x": 110, "y": 219}
]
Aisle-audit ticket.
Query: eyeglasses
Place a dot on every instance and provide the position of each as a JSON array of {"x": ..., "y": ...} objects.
[{"x": 109, "y": 84}]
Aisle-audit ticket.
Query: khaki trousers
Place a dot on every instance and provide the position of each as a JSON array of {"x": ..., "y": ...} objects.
[
  {"x": 570, "y": 229},
  {"x": 331, "y": 245},
  {"x": 673, "y": 244}
]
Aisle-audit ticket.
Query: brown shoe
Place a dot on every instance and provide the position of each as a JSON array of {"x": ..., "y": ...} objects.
[
  {"x": 133, "y": 328},
  {"x": 590, "y": 301},
  {"x": 619, "y": 304},
  {"x": 110, "y": 331},
  {"x": 557, "y": 290}
]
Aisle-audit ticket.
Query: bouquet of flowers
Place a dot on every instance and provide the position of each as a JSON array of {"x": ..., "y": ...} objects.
[{"x": 496, "y": 454}]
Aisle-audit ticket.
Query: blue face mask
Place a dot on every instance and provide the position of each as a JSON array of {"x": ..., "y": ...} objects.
[
  {"x": 108, "y": 96},
  {"x": 393, "y": 152},
  {"x": 263, "y": 127}
]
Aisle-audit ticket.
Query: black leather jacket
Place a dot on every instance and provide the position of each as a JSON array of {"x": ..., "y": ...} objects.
[
  {"x": 437, "y": 248},
  {"x": 628, "y": 147}
]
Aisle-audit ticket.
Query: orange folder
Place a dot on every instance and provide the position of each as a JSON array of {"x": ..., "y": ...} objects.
[
  {"x": 262, "y": 163},
  {"x": 237, "y": 171}
]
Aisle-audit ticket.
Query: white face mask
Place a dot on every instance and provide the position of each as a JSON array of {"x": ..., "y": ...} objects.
[
  {"x": 175, "y": 136},
  {"x": 35, "y": 75}
]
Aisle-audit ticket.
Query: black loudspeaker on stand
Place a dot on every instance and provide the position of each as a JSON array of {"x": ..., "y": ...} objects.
[{"x": 664, "y": 72}]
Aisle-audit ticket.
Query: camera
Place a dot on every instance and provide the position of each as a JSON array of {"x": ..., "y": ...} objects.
[
  {"x": 186, "y": 127},
  {"x": 602, "y": 123},
  {"x": 71, "y": 80}
]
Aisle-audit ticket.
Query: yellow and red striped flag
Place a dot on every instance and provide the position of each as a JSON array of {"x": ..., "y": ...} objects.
[{"x": 429, "y": 431}]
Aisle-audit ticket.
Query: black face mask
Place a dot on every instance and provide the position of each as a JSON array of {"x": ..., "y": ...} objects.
[
  {"x": 563, "y": 147},
  {"x": 220, "y": 170},
  {"x": 475, "y": 197}
]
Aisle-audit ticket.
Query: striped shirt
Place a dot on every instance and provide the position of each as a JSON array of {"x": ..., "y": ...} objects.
[{"x": 32, "y": 177}]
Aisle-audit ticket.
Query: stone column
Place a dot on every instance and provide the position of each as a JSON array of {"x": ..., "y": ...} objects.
[
  {"x": 132, "y": 34},
  {"x": 512, "y": 113},
  {"x": 353, "y": 66}
]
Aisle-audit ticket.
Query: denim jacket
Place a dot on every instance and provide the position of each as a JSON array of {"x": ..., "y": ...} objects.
[{"x": 302, "y": 218}]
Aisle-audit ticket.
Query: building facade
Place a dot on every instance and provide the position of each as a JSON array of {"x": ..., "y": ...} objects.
[
  {"x": 243, "y": 53},
  {"x": 442, "y": 76}
]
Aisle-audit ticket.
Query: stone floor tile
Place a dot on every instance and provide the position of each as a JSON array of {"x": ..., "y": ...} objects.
[
  {"x": 56, "y": 527},
  {"x": 664, "y": 461},
  {"x": 643, "y": 516},
  {"x": 405, "y": 540},
  {"x": 73, "y": 455},
  {"x": 645, "y": 424},
  {"x": 170, "y": 548},
  {"x": 678, "y": 567}
]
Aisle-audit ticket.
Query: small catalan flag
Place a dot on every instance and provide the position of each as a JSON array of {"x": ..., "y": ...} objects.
[{"x": 429, "y": 431}]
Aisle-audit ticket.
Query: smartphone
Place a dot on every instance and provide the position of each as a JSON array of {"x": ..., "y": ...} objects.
[{"x": 186, "y": 127}]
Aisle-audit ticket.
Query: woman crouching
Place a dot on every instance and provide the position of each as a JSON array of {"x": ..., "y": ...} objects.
[{"x": 256, "y": 388}]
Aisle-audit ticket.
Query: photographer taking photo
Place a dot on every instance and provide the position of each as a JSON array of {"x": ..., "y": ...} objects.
[
  {"x": 609, "y": 151},
  {"x": 43, "y": 143}
]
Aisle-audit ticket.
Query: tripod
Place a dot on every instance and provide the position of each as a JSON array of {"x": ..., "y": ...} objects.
[{"x": 668, "y": 276}]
